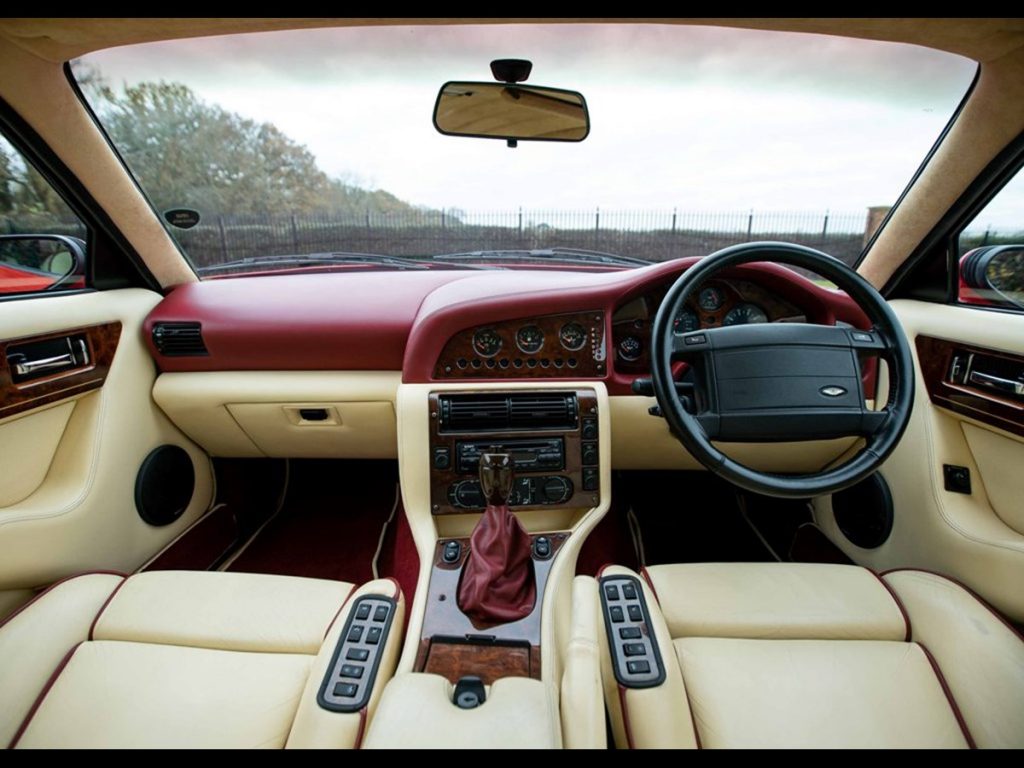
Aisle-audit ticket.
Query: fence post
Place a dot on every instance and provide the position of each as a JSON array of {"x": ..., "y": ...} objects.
[
  {"x": 295, "y": 234},
  {"x": 988, "y": 231},
  {"x": 824, "y": 227},
  {"x": 443, "y": 223},
  {"x": 520, "y": 222},
  {"x": 750, "y": 223},
  {"x": 597, "y": 226},
  {"x": 223, "y": 239},
  {"x": 674, "y": 215}
]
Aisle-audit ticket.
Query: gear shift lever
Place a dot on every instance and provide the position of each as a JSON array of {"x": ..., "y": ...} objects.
[
  {"x": 496, "y": 476},
  {"x": 498, "y": 583}
]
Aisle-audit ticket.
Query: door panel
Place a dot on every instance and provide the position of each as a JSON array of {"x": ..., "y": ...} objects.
[
  {"x": 1000, "y": 463},
  {"x": 27, "y": 448},
  {"x": 977, "y": 537},
  {"x": 68, "y": 467}
]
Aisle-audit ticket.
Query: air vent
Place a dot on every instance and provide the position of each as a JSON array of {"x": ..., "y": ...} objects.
[
  {"x": 179, "y": 339},
  {"x": 504, "y": 412}
]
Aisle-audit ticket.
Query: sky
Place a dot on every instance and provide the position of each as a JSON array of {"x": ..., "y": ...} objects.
[{"x": 698, "y": 119}]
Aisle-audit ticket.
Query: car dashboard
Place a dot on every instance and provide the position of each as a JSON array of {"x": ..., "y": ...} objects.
[{"x": 316, "y": 364}]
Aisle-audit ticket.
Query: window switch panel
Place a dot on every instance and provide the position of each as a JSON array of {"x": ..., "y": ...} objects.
[
  {"x": 636, "y": 658},
  {"x": 350, "y": 676}
]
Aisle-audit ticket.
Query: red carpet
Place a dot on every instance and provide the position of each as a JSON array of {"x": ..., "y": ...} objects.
[{"x": 330, "y": 523}]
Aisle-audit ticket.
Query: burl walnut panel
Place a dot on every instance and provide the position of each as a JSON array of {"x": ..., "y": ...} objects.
[
  {"x": 101, "y": 342},
  {"x": 936, "y": 357},
  {"x": 453, "y": 646},
  {"x": 459, "y": 360}
]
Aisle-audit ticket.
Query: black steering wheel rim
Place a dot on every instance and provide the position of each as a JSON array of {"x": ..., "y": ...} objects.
[{"x": 889, "y": 342}]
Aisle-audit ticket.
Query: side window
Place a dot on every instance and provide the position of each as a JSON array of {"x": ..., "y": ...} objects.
[
  {"x": 42, "y": 242},
  {"x": 991, "y": 250}
]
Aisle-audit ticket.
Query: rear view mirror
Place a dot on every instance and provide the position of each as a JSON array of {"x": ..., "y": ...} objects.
[
  {"x": 40, "y": 262},
  {"x": 995, "y": 274},
  {"x": 511, "y": 111}
]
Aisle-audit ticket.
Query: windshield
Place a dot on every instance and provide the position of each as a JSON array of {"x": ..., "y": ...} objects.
[{"x": 315, "y": 149}]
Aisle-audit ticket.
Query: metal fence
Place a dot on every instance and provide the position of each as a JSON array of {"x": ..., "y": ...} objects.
[{"x": 654, "y": 235}]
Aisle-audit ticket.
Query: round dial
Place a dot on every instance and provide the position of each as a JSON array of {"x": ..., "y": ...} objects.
[
  {"x": 742, "y": 314},
  {"x": 573, "y": 336},
  {"x": 530, "y": 339},
  {"x": 486, "y": 342},
  {"x": 685, "y": 321},
  {"x": 630, "y": 348},
  {"x": 711, "y": 298}
]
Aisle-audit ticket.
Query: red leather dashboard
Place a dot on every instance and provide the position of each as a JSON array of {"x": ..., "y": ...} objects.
[
  {"x": 334, "y": 321},
  {"x": 403, "y": 320}
]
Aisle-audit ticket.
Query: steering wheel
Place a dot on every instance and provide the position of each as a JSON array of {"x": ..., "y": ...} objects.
[{"x": 782, "y": 381}]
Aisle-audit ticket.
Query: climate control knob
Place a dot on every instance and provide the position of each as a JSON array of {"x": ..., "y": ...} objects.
[
  {"x": 555, "y": 490},
  {"x": 466, "y": 494}
]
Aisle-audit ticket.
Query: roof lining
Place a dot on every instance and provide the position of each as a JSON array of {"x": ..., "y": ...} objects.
[{"x": 60, "y": 40}]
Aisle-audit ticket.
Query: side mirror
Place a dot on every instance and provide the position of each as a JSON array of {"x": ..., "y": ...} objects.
[
  {"x": 40, "y": 262},
  {"x": 993, "y": 275}
]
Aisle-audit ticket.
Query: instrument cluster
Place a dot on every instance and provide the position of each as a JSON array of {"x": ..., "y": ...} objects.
[{"x": 717, "y": 303}]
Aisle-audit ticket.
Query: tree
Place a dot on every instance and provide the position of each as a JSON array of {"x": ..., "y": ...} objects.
[
  {"x": 186, "y": 152},
  {"x": 24, "y": 192}
]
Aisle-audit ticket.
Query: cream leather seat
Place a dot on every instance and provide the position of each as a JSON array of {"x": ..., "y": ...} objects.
[
  {"x": 808, "y": 655},
  {"x": 181, "y": 659}
]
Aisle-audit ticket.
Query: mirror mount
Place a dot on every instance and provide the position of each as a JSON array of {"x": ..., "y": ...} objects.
[{"x": 511, "y": 70}]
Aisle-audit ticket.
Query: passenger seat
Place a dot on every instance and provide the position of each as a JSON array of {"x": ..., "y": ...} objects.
[{"x": 195, "y": 659}]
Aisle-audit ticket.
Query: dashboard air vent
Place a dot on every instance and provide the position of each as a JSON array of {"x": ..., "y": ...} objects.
[
  {"x": 179, "y": 339},
  {"x": 503, "y": 412}
]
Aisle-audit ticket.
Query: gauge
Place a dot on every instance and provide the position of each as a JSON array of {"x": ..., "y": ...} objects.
[
  {"x": 686, "y": 320},
  {"x": 486, "y": 342},
  {"x": 742, "y": 314},
  {"x": 630, "y": 348},
  {"x": 573, "y": 336},
  {"x": 530, "y": 339},
  {"x": 711, "y": 298}
]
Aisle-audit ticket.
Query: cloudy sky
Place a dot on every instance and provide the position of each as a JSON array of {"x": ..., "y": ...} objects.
[{"x": 687, "y": 118}]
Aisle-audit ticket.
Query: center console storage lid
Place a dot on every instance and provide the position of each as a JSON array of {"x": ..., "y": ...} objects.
[{"x": 416, "y": 712}]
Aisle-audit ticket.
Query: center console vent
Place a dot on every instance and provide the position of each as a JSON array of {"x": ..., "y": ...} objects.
[{"x": 514, "y": 411}]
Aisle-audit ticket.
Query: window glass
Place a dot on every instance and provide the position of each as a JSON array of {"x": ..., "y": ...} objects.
[
  {"x": 42, "y": 242},
  {"x": 991, "y": 250}
]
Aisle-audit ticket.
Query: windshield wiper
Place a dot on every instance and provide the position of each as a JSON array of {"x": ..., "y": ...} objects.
[
  {"x": 313, "y": 259},
  {"x": 339, "y": 257},
  {"x": 563, "y": 255}
]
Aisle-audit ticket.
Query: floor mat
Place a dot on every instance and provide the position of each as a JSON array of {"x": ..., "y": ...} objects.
[
  {"x": 330, "y": 524},
  {"x": 690, "y": 517}
]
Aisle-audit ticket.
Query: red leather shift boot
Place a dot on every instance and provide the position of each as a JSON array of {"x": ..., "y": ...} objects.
[{"x": 498, "y": 584}]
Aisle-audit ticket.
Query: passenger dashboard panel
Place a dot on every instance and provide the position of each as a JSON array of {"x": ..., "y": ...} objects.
[{"x": 570, "y": 345}]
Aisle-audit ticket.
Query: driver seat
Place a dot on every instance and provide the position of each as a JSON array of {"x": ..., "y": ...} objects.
[{"x": 816, "y": 655}]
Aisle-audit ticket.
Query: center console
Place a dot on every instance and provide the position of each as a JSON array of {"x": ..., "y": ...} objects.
[
  {"x": 553, "y": 437},
  {"x": 496, "y": 591}
]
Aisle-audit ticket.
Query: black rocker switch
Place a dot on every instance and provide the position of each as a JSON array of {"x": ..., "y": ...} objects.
[
  {"x": 451, "y": 552},
  {"x": 542, "y": 547},
  {"x": 958, "y": 479}
]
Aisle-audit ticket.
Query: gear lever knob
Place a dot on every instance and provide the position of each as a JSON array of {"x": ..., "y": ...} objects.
[{"x": 496, "y": 471}]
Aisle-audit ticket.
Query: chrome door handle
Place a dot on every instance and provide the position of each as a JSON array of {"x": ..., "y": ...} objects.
[
  {"x": 45, "y": 364},
  {"x": 996, "y": 382}
]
